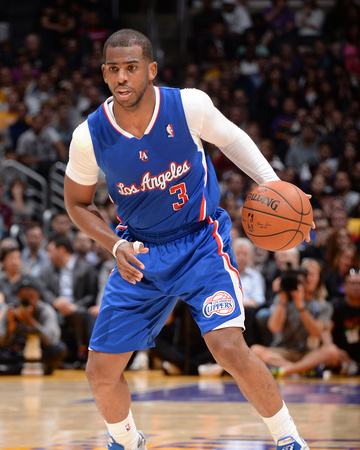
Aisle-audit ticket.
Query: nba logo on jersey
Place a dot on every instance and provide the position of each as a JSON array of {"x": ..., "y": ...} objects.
[
  {"x": 170, "y": 131},
  {"x": 220, "y": 303},
  {"x": 143, "y": 155}
]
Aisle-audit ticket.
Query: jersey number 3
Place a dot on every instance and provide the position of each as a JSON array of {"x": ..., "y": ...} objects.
[{"x": 180, "y": 190}]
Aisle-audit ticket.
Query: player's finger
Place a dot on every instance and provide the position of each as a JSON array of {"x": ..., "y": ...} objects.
[{"x": 128, "y": 271}]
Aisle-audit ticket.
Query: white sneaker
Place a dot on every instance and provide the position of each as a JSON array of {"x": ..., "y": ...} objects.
[
  {"x": 140, "y": 361},
  {"x": 210, "y": 370}
]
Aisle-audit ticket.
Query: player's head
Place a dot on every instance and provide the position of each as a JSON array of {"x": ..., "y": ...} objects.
[
  {"x": 129, "y": 69},
  {"x": 129, "y": 38}
]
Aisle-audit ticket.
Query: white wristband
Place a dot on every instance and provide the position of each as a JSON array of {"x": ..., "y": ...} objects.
[{"x": 116, "y": 246}]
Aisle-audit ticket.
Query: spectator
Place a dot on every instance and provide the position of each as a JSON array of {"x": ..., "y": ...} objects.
[
  {"x": 309, "y": 21},
  {"x": 40, "y": 147},
  {"x": 57, "y": 24},
  {"x": 281, "y": 24},
  {"x": 61, "y": 225},
  {"x": 216, "y": 46},
  {"x": 235, "y": 188},
  {"x": 299, "y": 321},
  {"x": 342, "y": 186},
  {"x": 318, "y": 247},
  {"x": 71, "y": 283},
  {"x": 8, "y": 116},
  {"x": 83, "y": 248},
  {"x": 34, "y": 254},
  {"x": 6, "y": 87},
  {"x": 30, "y": 315},
  {"x": 6, "y": 213},
  {"x": 63, "y": 124},
  {"x": 325, "y": 154},
  {"x": 345, "y": 259},
  {"x": 281, "y": 125},
  {"x": 23, "y": 207},
  {"x": 303, "y": 150},
  {"x": 106, "y": 264},
  {"x": 253, "y": 285},
  {"x": 13, "y": 132},
  {"x": 268, "y": 99},
  {"x": 12, "y": 269},
  {"x": 271, "y": 272},
  {"x": 42, "y": 91},
  {"x": 338, "y": 239},
  {"x": 236, "y": 16},
  {"x": 346, "y": 323},
  {"x": 35, "y": 52}
]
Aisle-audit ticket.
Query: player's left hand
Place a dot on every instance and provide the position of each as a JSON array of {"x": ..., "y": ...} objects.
[
  {"x": 126, "y": 255},
  {"x": 308, "y": 239}
]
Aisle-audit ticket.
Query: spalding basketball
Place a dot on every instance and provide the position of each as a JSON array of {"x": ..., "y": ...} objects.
[{"x": 277, "y": 215}]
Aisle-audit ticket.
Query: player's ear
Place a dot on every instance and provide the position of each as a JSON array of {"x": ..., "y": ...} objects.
[
  {"x": 152, "y": 70},
  {"x": 103, "y": 68}
]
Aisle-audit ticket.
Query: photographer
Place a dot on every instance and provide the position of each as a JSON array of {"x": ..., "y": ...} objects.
[
  {"x": 29, "y": 315},
  {"x": 300, "y": 323}
]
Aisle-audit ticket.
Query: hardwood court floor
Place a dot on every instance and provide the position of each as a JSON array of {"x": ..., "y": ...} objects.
[{"x": 57, "y": 412}]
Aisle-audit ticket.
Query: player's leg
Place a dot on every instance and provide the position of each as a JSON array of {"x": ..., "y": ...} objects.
[
  {"x": 256, "y": 383},
  {"x": 105, "y": 373},
  {"x": 229, "y": 349}
]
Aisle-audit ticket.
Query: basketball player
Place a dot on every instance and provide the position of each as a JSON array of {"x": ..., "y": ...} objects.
[{"x": 173, "y": 240}]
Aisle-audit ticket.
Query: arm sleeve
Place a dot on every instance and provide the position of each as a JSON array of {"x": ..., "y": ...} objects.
[
  {"x": 82, "y": 166},
  {"x": 207, "y": 123}
]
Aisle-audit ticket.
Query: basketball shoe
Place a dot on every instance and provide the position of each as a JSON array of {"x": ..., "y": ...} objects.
[
  {"x": 112, "y": 445},
  {"x": 289, "y": 443}
]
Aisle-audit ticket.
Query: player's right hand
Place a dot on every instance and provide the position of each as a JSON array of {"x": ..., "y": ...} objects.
[{"x": 125, "y": 255}]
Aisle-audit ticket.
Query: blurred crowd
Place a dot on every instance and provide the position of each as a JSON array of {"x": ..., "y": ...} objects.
[{"x": 290, "y": 78}]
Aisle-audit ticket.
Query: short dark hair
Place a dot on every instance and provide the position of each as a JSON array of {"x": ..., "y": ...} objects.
[
  {"x": 62, "y": 241},
  {"x": 7, "y": 250},
  {"x": 128, "y": 38}
]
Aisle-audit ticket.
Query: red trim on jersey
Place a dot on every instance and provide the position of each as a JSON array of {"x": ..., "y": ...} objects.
[
  {"x": 122, "y": 134},
  {"x": 203, "y": 201},
  {"x": 220, "y": 245},
  {"x": 120, "y": 226},
  {"x": 108, "y": 118},
  {"x": 157, "y": 113}
]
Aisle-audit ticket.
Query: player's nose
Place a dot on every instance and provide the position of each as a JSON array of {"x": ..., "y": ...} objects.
[{"x": 122, "y": 76}]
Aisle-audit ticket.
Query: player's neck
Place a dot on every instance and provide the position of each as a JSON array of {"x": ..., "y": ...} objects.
[{"x": 136, "y": 120}]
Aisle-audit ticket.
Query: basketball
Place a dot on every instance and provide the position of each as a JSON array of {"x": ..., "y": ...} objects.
[{"x": 277, "y": 216}]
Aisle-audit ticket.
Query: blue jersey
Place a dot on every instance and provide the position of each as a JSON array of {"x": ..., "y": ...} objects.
[{"x": 164, "y": 183}]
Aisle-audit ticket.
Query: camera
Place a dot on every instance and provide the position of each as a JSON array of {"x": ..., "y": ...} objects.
[
  {"x": 24, "y": 304},
  {"x": 290, "y": 278}
]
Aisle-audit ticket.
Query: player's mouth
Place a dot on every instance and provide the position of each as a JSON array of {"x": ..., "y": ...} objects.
[{"x": 123, "y": 93}]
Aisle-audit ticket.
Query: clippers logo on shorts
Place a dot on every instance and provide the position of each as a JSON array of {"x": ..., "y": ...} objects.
[
  {"x": 143, "y": 155},
  {"x": 170, "y": 131},
  {"x": 220, "y": 303}
]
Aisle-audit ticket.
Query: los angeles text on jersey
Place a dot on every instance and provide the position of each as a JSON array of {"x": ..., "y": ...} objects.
[{"x": 149, "y": 183}]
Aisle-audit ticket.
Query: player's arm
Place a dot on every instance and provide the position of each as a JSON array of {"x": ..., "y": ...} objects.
[
  {"x": 85, "y": 215},
  {"x": 79, "y": 191},
  {"x": 209, "y": 124}
]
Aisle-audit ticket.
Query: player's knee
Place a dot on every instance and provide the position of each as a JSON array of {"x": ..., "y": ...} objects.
[{"x": 229, "y": 349}]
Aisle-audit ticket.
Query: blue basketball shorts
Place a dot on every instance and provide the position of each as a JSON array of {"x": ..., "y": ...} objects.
[{"x": 199, "y": 268}]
